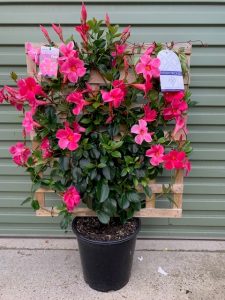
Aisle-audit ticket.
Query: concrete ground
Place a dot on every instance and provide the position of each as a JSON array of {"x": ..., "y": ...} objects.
[{"x": 41, "y": 269}]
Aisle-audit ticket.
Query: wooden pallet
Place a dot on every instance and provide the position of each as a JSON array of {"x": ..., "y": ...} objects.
[{"x": 150, "y": 209}]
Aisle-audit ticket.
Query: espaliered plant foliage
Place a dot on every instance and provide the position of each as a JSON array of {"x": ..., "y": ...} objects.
[{"x": 98, "y": 143}]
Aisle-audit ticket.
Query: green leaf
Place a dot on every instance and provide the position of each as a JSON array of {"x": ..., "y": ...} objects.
[
  {"x": 102, "y": 191},
  {"x": 124, "y": 172},
  {"x": 116, "y": 145},
  {"x": 14, "y": 76},
  {"x": 161, "y": 140},
  {"x": 153, "y": 94},
  {"x": 67, "y": 218},
  {"x": 35, "y": 186},
  {"x": 28, "y": 199},
  {"x": 101, "y": 165},
  {"x": 109, "y": 76},
  {"x": 123, "y": 201},
  {"x": 96, "y": 105},
  {"x": 133, "y": 196},
  {"x": 64, "y": 163},
  {"x": 90, "y": 166},
  {"x": 148, "y": 191},
  {"x": 170, "y": 198},
  {"x": 93, "y": 174},
  {"x": 135, "y": 182},
  {"x": 35, "y": 204},
  {"x": 116, "y": 154},
  {"x": 94, "y": 153},
  {"x": 103, "y": 217},
  {"x": 77, "y": 173},
  {"x": 130, "y": 213},
  {"x": 85, "y": 121},
  {"x": 128, "y": 159},
  {"x": 192, "y": 103},
  {"x": 83, "y": 163},
  {"x": 109, "y": 206},
  {"x": 58, "y": 186},
  {"x": 106, "y": 172},
  {"x": 30, "y": 161}
]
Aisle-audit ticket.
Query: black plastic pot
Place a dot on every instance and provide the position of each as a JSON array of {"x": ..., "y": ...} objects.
[{"x": 106, "y": 264}]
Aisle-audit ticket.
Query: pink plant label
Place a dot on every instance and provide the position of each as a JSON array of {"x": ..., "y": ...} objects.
[
  {"x": 171, "y": 77},
  {"x": 48, "y": 64}
]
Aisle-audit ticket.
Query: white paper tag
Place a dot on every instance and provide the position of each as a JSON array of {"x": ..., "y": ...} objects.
[
  {"x": 48, "y": 63},
  {"x": 171, "y": 77}
]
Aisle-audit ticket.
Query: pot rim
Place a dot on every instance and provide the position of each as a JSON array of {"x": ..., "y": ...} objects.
[{"x": 127, "y": 238}]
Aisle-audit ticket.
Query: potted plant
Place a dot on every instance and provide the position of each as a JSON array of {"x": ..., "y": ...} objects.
[{"x": 95, "y": 140}]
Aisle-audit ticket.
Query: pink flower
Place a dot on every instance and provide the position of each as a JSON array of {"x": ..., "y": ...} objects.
[
  {"x": 149, "y": 50},
  {"x": 175, "y": 109},
  {"x": 180, "y": 125},
  {"x": 125, "y": 34},
  {"x": 68, "y": 138},
  {"x": 71, "y": 198},
  {"x": 46, "y": 148},
  {"x": 32, "y": 52},
  {"x": 148, "y": 66},
  {"x": 116, "y": 96},
  {"x": 120, "y": 49},
  {"x": 72, "y": 69},
  {"x": 58, "y": 31},
  {"x": 28, "y": 123},
  {"x": 83, "y": 14},
  {"x": 29, "y": 89},
  {"x": 142, "y": 132},
  {"x": 109, "y": 119},
  {"x": 68, "y": 50},
  {"x": 77, "y": 128},
  {"x": 145, "y": 87},
  {"x": 78, "y": 100},
  {"x": 48, "y": 67},
  {"x": 156, "y": 153},
  {"x": 170, "y": 96},
  {"x": 120, "y": 84},
  {"x": 107, "y": 20},
  {"x": 187, "y": 166},
  {"x": 2, "y": 96},
  {"x": 45, "y": 32},
  {"x": 177, "y": 160},
  {"x": 13, "y": 97},
  {"x": 174, "y": 160},
  {"x": 150, "y": 114},
  {"x": 20, "y": 153},
  {"x": 83, "y": 30}
]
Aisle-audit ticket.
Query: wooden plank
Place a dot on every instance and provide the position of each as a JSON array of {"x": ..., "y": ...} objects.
[
  {"x": 143, "y": 213},
  {"x": 138, "y": 48},
  {"x": 179, "y": 179},
  {"x": 157, "y": 188}
]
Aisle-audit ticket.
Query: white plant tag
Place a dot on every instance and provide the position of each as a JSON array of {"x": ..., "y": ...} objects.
[
  {"x": 48, "y": 63},
  {"x": 171, "y": 77}
]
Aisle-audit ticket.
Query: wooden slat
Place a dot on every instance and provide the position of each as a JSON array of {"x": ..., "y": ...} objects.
[
  {"x": 157, "y": 188},
  {"x": 143, "y": 213}
]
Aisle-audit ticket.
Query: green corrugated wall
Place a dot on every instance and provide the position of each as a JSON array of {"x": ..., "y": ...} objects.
[{"x": 204, "y": 199}]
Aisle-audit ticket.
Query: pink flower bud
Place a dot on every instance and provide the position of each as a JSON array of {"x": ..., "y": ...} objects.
[
  {"x": 107, "y": 20},
  {"x": 58, "y": 31},
  {"x": 45, "y": 32},
  {"x": 83, "y": 13}
]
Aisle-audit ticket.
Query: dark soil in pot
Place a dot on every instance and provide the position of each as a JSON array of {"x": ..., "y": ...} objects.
[{"x": 106, "y": 251}]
